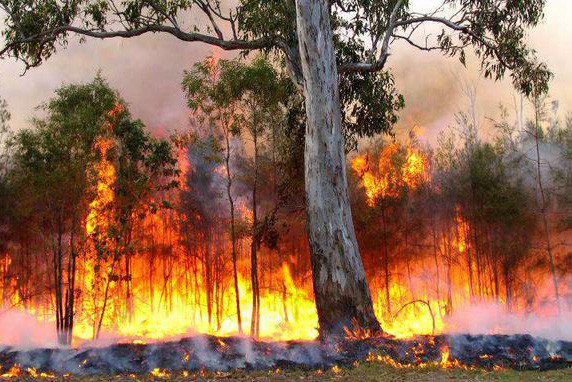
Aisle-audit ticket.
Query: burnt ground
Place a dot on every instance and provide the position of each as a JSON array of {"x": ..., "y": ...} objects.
[
  {"x": 239, "y": 358},
  {"x": 364, "y": 372}
]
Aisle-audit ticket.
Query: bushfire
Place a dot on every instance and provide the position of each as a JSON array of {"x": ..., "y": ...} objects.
[
  {"x": 178, "y": 281},
  {"x": 159, "y": 284}
]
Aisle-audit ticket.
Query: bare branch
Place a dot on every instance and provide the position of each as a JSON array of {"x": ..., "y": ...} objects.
[
  {"x": 235, "y": 44},
  {"x": 165, "y": 14},
  {"x": 457, "y": 26},
  {"x": 384, "y": 53},
  {"x": 389, "y": 31},
  {"x": 206, "y": 8},
  {"x": 426, "y": 47}
]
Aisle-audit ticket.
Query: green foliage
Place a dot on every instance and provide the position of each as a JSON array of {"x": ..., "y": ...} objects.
[
  {"x": 268, "y": 18},
  {"x": 236, "y": 97},
  {"x": 495, "y": 32},
  {"x": 498, "y": 35},
  {"x": 55, "y": 161},
  {"x": 370, "y": 104},
  {"x": 34, "y": 29},
  {"x": 369, "y": 101},
  {"x": 483, "y": 184},
  {"x": 146, "y": 168},
  {"x": 42, "y": 24}
]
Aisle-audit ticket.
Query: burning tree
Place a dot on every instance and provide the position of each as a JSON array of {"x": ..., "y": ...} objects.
[
  {"x": 389, "y": 174},
  {"x": 52, "y": 166},
  {"x": 211, "y": 98},
  {"x": 232, "y": 98},
  {"x": 84, "y": 173},
  {"x": 457, "y": 230},
  {"x": 318, "y": 39},
  {"x": 485, "y": 193},
  {"x": 260, "y": 92}
]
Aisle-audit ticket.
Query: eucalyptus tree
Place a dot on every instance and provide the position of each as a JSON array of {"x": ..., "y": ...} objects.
[
  {"x": 327, "y": 46},
  {"x": 200, "y": 205},
  {"x": 238, "y": 97},
  {"x": 145, "y": 171}
]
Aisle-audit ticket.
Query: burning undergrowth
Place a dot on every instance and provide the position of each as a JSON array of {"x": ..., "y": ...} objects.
[
  {"x": 496, "y": 352},
  {"x": 450, "y": 237}
]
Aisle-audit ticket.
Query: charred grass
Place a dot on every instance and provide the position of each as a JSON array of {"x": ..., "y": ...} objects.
[{"x": 363, "y": 372}]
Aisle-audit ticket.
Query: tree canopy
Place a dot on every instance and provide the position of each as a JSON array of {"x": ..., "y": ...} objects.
[{"x": 364, "y": 32}]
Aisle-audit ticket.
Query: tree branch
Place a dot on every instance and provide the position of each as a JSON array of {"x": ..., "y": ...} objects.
[
  {"x": 393, "y": 24},
  {"x": 235, "y": 44},
  {"x": 206, "y": 8},
  {"x": 384, "y": 53}
]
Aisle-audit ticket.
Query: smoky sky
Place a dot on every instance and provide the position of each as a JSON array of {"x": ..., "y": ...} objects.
[{"x": 148, "y": 70}]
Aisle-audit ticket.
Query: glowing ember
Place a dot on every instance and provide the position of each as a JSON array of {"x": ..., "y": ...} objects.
[
  {"x": 14, "y": 371},
  {"x": 160, "y": 373}
]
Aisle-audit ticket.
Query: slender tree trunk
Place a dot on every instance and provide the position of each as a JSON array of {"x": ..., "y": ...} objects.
[
  {"x": 232, "y": 230},
  {"x": 58, "y": 274},
  {"x": 435, "y": 257},
  {"x": 105, "y": 298},
  {"x": 208, "y": 275},
  {"x": 284, "y": 304},
  {"x": 449, "y": 258},
  {"x": 340, "y": 287},
  {"x": 544, "y": 205},
  {"x": 254, "y": 325},
  {"x": 69, "y": 301},
  {"x": 386, "y": 262},
  {"x": 408, "y": 264},
  {"x": 152, "y": 268},
  {"x": 128, "y": 274}
]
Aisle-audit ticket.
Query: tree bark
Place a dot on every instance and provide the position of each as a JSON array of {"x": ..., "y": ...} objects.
[
  {"x": 340, "y": 287},
  {"x": 254, "y": 323},
  {"x": 385, "y": 260},
  {"x": 232, "y": 229}
]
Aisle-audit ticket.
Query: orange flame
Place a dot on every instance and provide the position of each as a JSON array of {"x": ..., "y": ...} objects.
[{"x": 385, "y": 179}]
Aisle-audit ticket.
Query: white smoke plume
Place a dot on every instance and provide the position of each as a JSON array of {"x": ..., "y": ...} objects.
[
  {"x": 25, "y": 331},
  {"x": 489, "y": 318}
]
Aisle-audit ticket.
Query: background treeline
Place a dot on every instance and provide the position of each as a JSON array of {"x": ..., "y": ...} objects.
[
  {"x": 488, "y": 220},
  {"x": 104, "y": 227}
]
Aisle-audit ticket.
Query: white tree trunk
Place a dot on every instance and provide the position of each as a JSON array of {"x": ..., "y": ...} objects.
[{"x": 340, "y": 287}]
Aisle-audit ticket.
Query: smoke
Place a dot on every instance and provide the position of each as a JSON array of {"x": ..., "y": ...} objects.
[
  {"x": 490, "y": 318},
  {"x": 208, "y": 353},
  {"x": 148, "y": 70},
  {"x": 203, "y": 181},
  {"x": 430, "y": 90},
  {"x": 24, "y": 331}
]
